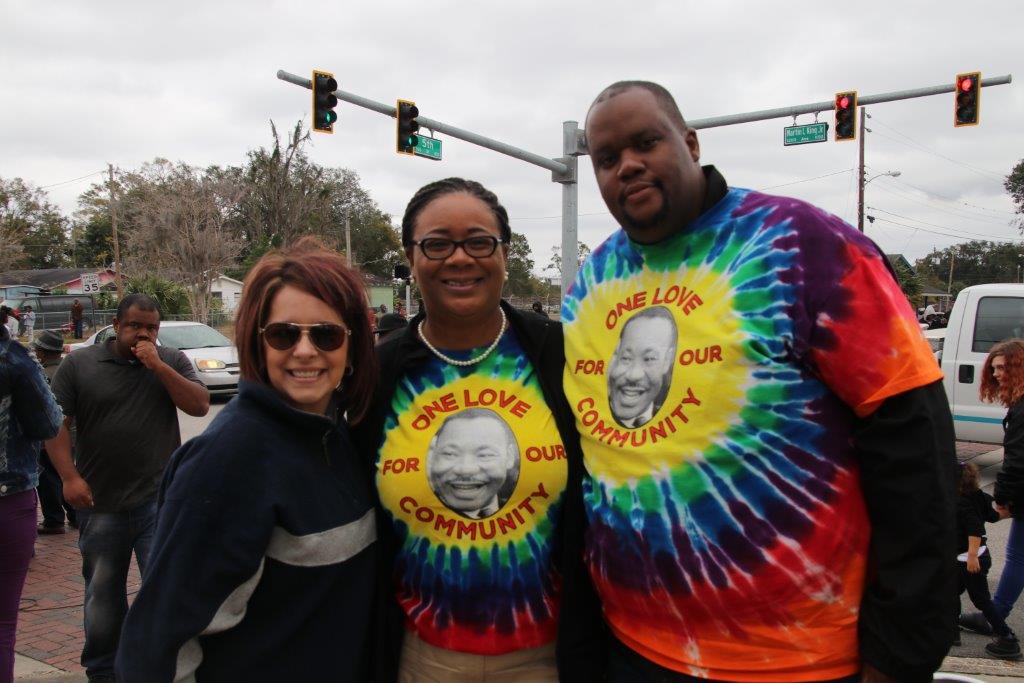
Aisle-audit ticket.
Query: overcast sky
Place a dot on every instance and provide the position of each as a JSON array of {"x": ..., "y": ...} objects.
[{"x": 87, "y": 83}]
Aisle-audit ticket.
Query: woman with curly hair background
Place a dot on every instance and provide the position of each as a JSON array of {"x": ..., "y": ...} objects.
[{"x": 1002, "y": 381}]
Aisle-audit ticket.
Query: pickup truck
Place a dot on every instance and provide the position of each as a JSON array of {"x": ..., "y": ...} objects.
[{"x": 982, "y": 316}]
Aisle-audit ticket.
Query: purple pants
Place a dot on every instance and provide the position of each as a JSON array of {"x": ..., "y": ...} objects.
[{"x": 17, "y": 538}]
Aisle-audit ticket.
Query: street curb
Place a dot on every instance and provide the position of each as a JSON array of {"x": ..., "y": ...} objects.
[{"x": 982, "y": 666}]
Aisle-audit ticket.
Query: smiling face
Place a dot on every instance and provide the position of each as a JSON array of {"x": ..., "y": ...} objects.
[
  {"x": 303, "y": 375},
  {"x": 459, "y": 286},
  {"x": 647, "y": 165},
  {"x": 470, "y": 462},
  {"x": 641, "y": 365}
]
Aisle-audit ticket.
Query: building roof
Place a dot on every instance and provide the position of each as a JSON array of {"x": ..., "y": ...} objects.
[
  {"x": 901, "y": 259},
  {"x": 46, "y": 277}
]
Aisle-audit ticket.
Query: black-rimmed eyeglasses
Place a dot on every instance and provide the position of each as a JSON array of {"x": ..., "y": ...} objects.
[{"x": 440, "y": 248}]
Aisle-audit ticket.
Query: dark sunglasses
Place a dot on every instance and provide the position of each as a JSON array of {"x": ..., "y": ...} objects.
[
  {"x": 325, "y": 336},
  {"x": 440, "y": 248}
]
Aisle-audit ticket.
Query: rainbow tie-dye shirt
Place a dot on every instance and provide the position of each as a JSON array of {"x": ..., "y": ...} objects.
[
  {"x": 716, "y": 377},
  {"x": 471, "y": 472}
]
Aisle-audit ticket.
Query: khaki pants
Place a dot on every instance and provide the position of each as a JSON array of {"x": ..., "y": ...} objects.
[{"x": 424, "y": 663}]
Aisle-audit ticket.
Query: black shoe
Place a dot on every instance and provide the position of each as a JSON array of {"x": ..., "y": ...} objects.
[
  {"x": 1004, "y": 647},
  {"x": 976, "y": 622},
  {"x": 46, "y": 528}
]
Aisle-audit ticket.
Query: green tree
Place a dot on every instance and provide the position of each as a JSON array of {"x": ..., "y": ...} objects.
[
  {"x": 908, "y": 281},
  {"x": 172, "y": 297},
  {"x": 555, "y": 264},
  {"x": 33, "y": 232},
  {"x": 1014, "y": 184},
  {"x": 288, "y": 196},
  {"x": 974, "y": 263},
  {"x": 521, "y": 281}
]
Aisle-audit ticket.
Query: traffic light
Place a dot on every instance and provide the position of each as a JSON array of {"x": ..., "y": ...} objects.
[
  {"x": 968, "y": 99},
  {"x": 407, "y": 127},
  {"x": 324, "y": 101},
  {"x": 846, "y": 116}
]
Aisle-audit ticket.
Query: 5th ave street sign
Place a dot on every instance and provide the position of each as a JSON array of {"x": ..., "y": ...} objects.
[
  {"x": 804, "y": 134},
  {"x": 428, "y": 148}
]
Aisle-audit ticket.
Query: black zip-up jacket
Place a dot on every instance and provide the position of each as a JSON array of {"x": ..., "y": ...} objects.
[
  {"x": 972, "y": 511},
  {"x": 1009, "y": 489},
  {"x": 581, "y": 641},
  {"x": 262, "y": 566}
]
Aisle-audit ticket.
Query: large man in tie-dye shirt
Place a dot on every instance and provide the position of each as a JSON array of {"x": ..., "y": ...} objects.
[{"x": 785, "y": 511}]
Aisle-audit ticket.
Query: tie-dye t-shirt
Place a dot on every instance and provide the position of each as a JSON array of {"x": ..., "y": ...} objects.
[
  {"x": 715, "y": 378},
  {"x": 471, "y": 473}
]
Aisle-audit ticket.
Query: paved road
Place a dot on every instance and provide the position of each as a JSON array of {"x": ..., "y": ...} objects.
[{"x": 194, "y": 426}]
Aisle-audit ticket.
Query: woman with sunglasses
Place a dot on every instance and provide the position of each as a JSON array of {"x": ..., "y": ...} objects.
[
  {"x": 263, "y": 565},
  {"x": 478, "y": 468}
]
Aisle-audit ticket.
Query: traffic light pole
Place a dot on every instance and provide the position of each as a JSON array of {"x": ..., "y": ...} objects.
[
  {"x": 860, "y": 173},
  {"x": 564, "y": 169}
]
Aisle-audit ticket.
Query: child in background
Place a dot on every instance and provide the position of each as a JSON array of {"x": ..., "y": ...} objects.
[{"x": 974, "y": 508}]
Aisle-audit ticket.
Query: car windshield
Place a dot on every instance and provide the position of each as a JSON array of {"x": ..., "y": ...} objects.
[{"x": 196, "y": 336}]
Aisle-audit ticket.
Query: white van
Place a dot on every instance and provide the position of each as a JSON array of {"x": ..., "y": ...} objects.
[{"x": 982, "y": 316}]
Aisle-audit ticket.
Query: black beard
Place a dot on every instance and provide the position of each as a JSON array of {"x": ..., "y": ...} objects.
[{"x": 632, "y": 224}]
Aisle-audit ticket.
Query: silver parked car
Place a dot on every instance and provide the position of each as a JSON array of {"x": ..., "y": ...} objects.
[{"x": 213, "y": 356}]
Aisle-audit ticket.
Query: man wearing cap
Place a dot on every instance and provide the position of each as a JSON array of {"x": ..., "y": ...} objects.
[
  {"x": 389, "y": 323},
  {"x": 48, "y": 349}
]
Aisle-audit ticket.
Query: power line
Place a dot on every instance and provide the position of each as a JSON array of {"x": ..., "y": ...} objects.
[
  {"x": 953, "y": 201},
  {"x": 805, "y": 180},
  {"x": 934, "y": 232},
  {"x": 932, "y": 207},
  {"x": 943, "y": 227},
  {"x": 874, "y": 119},
  {"x": 73, "y": 180}
]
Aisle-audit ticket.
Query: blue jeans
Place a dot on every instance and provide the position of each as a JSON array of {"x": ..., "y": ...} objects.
[
  {"x": 78, "y": 328},
  {"x": 1011, "y": 581},
  {"x": 107, "y": 540}
]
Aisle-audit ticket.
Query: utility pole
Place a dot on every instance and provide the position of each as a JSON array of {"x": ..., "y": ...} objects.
[
  {"x": 113, "y": 231},
  {"x": 860, "y": 173},
  {"x": 348, "y": 240},
  {"x": 952, "y": 260}
]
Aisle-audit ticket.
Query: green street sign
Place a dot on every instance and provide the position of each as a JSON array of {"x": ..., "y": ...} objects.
[
  {"x": 428, "y": 148},
  {"x": 801, "y": 135}
]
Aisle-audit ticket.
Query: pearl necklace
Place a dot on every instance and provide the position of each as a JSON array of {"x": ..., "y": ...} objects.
[{"x": 471, "y": 361}]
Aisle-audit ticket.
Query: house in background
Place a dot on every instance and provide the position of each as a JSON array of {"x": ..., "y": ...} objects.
[
  {"x": 228, "y": 291},
  {"x": 49, "y": 279}
]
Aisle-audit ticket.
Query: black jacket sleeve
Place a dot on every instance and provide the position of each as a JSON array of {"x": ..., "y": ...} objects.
[
  {"x": 907, "y": 455},
  {"x": 968, "y": 520},
  {"x": 1009, "y": 489}
]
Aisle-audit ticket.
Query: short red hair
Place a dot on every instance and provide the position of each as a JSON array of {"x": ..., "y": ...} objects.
[
  {"x": 308, "y": 265},
  {"x": 1012, "y": 390}
]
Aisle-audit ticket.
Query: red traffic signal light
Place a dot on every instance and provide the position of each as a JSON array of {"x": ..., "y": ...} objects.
[
  {"x": 967, "y": 101},
  {"x": 846, "y": 115}
]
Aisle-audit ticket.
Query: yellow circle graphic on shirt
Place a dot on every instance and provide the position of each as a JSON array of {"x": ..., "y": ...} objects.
[
  {"x": 655, "y": 370},
  {"x": 477, "y": 461}
]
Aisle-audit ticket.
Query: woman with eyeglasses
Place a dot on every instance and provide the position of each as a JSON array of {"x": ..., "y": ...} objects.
[
  {"x": 477, "y": 466},
  {"x": 263, "y": 566}
]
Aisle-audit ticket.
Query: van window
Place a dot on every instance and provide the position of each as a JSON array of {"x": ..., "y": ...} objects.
[{"x": 999, "y": 318}]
